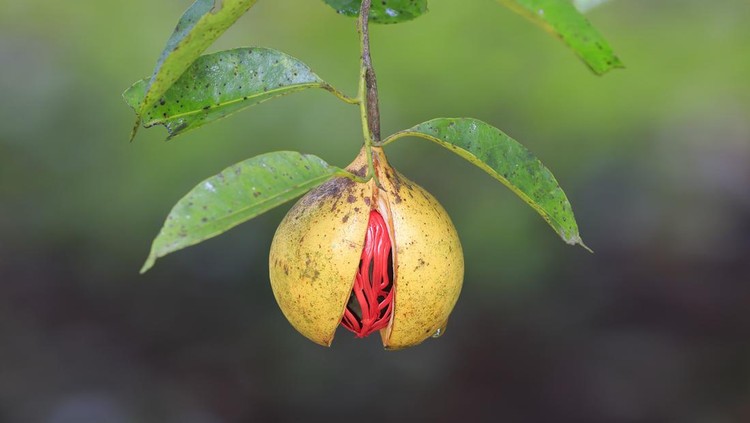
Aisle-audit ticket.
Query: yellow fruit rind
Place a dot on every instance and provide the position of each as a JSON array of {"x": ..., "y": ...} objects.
[{"x": 316, "y": 250}]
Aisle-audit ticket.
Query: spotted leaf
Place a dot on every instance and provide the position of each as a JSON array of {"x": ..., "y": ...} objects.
[
  {"x": 506, "y": 160},
  {"x": 237, "y": 194},
  {"x": 562, "y": 19},
  {"x": 382, "y": 11},
  {"x": 198, "y": 28},
  {"x": 219, "y": 84}
]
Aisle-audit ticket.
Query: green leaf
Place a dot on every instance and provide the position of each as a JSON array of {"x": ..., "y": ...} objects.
[
  {"x": 219, "y": 84},
  {"x": 382, "y": 11},
  {"x": 560, "y": 18},
  {"x": 237, "y": 194},
  {"x": 197, "y": 29},
  {"x": 507, "y": 161}
]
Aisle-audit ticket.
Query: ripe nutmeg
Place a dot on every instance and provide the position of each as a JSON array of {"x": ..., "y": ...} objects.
[{"x": 370, "y": 258}]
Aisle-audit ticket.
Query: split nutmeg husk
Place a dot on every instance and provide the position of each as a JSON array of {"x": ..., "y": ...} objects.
[{"x": 370, "y": 259}]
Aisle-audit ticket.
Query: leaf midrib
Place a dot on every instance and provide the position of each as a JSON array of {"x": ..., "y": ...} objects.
[
  {"x": 235, "y": 101},
  {"x": 245, "y": 209},
  {"x": 478, "y": 162}
]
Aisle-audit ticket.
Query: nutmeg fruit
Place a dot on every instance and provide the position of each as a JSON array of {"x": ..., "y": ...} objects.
[{"x": 370, "y": 259}]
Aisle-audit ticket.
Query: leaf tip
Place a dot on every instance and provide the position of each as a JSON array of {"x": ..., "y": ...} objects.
[
  {"x": 170, "y": 135},
  {"x": 611, "y": 64},
  {"x": 134, "y": 131},
  {"x": 576, "y": 240},
  {"x": 573, "y": 238},
  {"x": 148, "y": 264}
]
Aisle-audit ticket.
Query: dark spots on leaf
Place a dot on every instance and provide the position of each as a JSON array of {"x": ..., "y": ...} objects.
[
  {"x": 204, "y": 220},
  {"x": 350, "y": 199},
  {"x": 345, "y": 219}
]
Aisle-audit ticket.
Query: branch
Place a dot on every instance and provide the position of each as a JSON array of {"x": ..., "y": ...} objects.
[{"x": 370, "y": 88}]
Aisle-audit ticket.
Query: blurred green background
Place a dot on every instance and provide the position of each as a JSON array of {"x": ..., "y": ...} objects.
[{"x": 655, "y": 159}]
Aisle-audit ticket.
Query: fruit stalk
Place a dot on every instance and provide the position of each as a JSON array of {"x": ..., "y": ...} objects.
[
  {"x": 368, "y": 88},
  {"x": 368, "y": 92}
]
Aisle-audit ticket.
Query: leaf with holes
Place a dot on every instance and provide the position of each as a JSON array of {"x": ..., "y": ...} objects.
[
  {"x": 507, "y": 161},
  {"x": 219, "y": 84},
  {"x": 562, "y": 19},
  {"x": 382, "y": 11},
  {"x": 237, "y": 194},
  {"x": 197, "y": 29}
]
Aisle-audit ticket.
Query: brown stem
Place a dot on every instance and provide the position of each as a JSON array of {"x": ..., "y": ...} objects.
[{"x": 371, "y": 83}]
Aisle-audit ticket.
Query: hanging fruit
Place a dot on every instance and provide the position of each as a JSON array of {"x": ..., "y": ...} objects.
[{"x": 370, "y": 258}]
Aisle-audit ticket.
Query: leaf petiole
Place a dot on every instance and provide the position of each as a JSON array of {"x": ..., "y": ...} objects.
[{"x": 340, "y": 95}]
